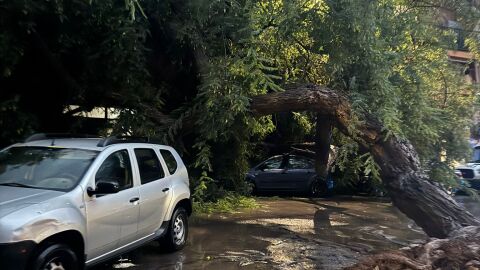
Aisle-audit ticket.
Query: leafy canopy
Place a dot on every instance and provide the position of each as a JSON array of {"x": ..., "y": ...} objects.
[{"x": 203, "y": 60}]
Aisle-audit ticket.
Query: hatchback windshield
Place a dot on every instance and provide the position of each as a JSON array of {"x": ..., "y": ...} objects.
[{"x": 44, "y": 167}]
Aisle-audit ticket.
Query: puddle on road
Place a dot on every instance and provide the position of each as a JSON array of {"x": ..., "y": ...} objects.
[
  {"x": 212, "y": 244},
  {"x": 284, "y": 234}
]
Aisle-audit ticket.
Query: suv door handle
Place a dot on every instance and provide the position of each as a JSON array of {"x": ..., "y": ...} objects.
[
  {"x": 132, "y": 200},
  {"x": 165, "y": 189}
]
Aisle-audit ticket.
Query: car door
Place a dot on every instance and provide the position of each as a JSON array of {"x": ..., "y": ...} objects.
[
  {"x": 299, "y": 171},
  {"x": 112, "y": 218},
  {"x": 270, "y": 172},
  {"x": 155, "y": 193}
]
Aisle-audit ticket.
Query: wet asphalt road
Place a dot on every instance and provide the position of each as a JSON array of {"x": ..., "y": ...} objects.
[{"x": 287, "y": 233}]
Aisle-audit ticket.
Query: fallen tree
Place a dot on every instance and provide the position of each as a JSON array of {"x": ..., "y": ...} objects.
[
  {"x": 410, "y": 189},
  {"x": 412, "y": 192}
]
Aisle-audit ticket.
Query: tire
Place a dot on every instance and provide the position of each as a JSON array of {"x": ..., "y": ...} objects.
[
  {"x": 254, "y": 189},
  {"x": 56, "y": 257},
  {"x": 176, "y": 236},
  {"x": 253, "y": 186},
  {"x": 317, "y": 188}
]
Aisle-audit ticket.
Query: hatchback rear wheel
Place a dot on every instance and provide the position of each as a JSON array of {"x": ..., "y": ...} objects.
[{"x": 317, "y": 188}]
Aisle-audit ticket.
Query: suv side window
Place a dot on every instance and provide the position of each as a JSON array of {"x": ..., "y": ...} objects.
[
  {"x": 116, "y": 168},
  {"x": 170, "y": 160},
  {"x": 148, "y": 165}
]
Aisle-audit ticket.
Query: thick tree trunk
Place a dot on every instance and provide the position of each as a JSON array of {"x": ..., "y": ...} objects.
[
  {"x": 323, "y": 138},
  {"x": 421, "y": 199}
]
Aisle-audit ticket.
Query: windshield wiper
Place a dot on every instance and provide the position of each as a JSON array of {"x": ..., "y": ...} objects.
[{"x": 13, "y": 184}]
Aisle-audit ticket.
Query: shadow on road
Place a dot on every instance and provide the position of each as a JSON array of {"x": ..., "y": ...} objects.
[{"x": 282, "y": 233}]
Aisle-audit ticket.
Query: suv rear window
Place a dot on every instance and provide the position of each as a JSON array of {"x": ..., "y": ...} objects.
[
  {"x": 148, "y": 165},
  {"x": 170, "y": 160}
]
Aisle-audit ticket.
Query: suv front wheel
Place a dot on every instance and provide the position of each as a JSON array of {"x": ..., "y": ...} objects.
[
  {"x": 177, "y": 233},
  {"x": 56, "y": 257}
]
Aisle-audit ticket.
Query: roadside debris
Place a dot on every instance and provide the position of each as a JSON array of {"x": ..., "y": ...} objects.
[{"x": 460, "y": 251}]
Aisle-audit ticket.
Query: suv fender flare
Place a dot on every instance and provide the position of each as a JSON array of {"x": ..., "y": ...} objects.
[
  {"x": 182, "y": 199},
  {"x": 59, "y": 221},
  {"x": 72, "y": 238}
]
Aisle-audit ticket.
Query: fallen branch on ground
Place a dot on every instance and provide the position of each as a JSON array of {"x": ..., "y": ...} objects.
[{"x": 460, "y": 251}]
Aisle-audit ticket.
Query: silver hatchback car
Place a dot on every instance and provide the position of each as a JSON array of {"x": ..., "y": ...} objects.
[{"x": 69, "y": 202}]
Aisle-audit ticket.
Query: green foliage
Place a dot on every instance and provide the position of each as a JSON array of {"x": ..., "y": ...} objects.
[
  {"x": 14, "y": 123},
  {"x": 371, "y": 168},
  {"x": 200, "y": 62},
  {"x": 208, "y": 197},
  {"x": 201, "y": 187},
  {"x": 228, "y": 204},
  {"x": 350, "y": 166},
  {"x": 391, "y": 59}
]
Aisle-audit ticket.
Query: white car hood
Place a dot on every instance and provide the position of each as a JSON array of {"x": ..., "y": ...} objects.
[
  {"x": 469, "y": 166},
  {"x": 16, "y": 198}
]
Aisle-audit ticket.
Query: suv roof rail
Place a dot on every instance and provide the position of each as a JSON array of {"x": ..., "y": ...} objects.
[
  {"x": 122, "y": 139},
  {"x": 46, "y": 136}
]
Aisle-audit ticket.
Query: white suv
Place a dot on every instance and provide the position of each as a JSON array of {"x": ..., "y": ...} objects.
[{"x": 69, "y": 202}]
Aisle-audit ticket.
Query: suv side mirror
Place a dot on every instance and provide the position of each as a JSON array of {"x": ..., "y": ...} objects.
[{"x": 104, "y": 187}]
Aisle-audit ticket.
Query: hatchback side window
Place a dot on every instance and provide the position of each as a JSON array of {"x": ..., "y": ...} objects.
[
  {"x": 149, "y": 165},
  {"x": 300, "y": 163},
  {"x": 116, "y": 168},
  {"x": 170, "y": 160},
  {"x": 271, "y": 164}
]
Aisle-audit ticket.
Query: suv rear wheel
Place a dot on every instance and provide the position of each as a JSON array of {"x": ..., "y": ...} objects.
[
  {"x": 177, "y": 233},
  {"x": 56, "y": 257}
]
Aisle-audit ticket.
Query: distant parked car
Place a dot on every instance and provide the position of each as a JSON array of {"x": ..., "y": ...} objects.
[
  {"x": 470, "y": 173},
  {"x": 287, "y": 173}
]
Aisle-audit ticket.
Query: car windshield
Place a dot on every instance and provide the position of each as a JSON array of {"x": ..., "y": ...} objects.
[{"x": 44, "y": 167}]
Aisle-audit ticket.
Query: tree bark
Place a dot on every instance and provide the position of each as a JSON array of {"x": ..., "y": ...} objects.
[
  {"x": 410, "y": 189},
  {"x": 323, "y": 138}
]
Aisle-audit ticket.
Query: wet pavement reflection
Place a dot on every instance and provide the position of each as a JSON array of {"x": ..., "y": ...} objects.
[{"x": 284, "y": 233}]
